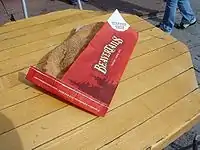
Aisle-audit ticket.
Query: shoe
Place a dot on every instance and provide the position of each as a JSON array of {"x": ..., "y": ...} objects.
[
  {"x": 185, "y": 25},
  {"x": 158, "y": 25},
  {"x": 73, "y": 2}
]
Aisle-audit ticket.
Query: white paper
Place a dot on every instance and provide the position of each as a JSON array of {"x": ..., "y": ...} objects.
[{"x": 117, "y": 22}]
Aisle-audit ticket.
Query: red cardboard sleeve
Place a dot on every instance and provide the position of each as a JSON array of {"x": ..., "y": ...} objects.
[{"x": 92, "y": 79}]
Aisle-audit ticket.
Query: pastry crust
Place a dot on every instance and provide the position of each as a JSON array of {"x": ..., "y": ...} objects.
[{"x": 57, "y": 61}]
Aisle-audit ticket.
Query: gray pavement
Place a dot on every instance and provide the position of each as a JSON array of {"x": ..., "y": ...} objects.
[
  {"x": 139, "y": 7},
  {"x": 151, "y": 10}
]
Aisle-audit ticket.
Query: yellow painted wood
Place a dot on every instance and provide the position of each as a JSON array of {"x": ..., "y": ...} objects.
[
  {"x": 68, "y": 18},
  {"x": 145, "y": 82},
  {"x": 148, "y": 61},
  {"x": 139, "y": 26},
  {"x": 183, "y": 128},
  {"x": 156, "y": 130},
  {"x": 153, "y": 90},
  {"x": 5, "y": 44},
  {"x": 54, "y": 41},
  {"x": 48, "y": 25},
  {"x": 153, "y": 42},
  {"x": 155, "y": 106},
  {"x": 151, "y": 78},
  {"x": 24, "y": 92},
  {"x": 42, "y": 35},
  {"x": 24, "y": 62},
  {"x": 12, "y": 79},
  {"x": 48, "y": 43},
  {"x": 7, "y": 82},
  {"x": 17, "y": 94},
  {"x": 32, "y": 109},
  {"x": 19, "y": 24},
  {"x": 117, "y": 122},
  {"x": 156, "y": 33}
]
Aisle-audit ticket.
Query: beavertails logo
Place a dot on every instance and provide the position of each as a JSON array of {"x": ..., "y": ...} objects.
[{"x": 109, "y": 49}]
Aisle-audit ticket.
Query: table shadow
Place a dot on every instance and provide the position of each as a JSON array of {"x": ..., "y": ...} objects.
[{"x": 9, "y": 140}]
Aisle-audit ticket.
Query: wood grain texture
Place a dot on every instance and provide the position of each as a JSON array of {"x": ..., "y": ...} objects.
[
  {"x": 121, "y": 121},
  {"x": 157, "y": 87},
  {"x": 29, "y": 38},
  {"x": 71, "y": 17},
  {"x": 125, "y": 93},
  {"x": 53, "y": 41},
  {"x": 32, "y": 21},
  {"x": 44, "y": 44},
  {"x": 10, "y": 79},
  {"x": 11, "y": 82},
  {"x": 31, "y": 96},
  {"x": 158, "y": 129}
]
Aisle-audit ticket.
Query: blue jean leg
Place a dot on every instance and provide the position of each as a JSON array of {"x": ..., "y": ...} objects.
[
  {"x": 186, "y": 11},
  {"x": 169, "y": 16}
]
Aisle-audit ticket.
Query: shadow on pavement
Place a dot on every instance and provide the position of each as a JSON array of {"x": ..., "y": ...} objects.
[{"x": 123, "y": 6}]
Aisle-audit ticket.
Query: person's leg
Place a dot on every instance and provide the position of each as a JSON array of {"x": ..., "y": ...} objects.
[
  {"x": 73, "y": 2},
  {"x": 169, "y": 16},
  {"x": 187, "y": 13}
]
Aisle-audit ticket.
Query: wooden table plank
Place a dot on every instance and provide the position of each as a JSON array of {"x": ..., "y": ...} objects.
[
  {"x": 12, "y": 79},
  {"x": 146, "y": 136},
  {"x": 19, "y": 24},
  {"x": 117, "y": 122},
  {"x": 148, "y": 61},
  {"x": 152, "y": 44},
  {"x": 67, "y": 19},
  {"x": 6, "y": 44},
  {"x": 26, "y": 92},
  {"x": 8, "y": 66},
  {"x": 151, "y": 78},
  {"x": 138, "y": 64},
  {"x": 44, "y": 44},
  {"x": 48, "y": 25},
  {"x": 52, "y": 42},
  {"x": 32, "y": 21},
  {"x": 32, "y": 109},
  {"x": 29, "y": 93},
  {"x": 145, "y": 82},
  {"x": 7, "y": 81},
  {"x": 159, "y": 65}
]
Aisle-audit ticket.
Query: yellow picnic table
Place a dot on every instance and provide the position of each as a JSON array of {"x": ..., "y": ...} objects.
[{"x": 156, "y": 101}]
